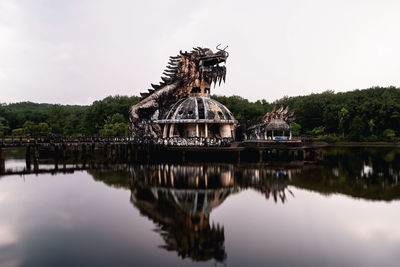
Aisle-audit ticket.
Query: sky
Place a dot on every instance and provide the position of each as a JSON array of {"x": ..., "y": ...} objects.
[{"x": 75, "y": 52}]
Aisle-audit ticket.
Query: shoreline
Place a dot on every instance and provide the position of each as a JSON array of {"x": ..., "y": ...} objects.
[{"x": 354, "y": 144}]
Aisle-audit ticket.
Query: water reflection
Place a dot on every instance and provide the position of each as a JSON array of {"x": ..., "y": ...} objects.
[
  {"x": 368, "y": 173},
  {"x": 180, "y": 199}
]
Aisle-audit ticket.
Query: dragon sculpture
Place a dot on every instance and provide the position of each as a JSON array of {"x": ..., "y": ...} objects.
[
  {"x": 281, "y": 113},
  {"x": 188, "y": 72}
]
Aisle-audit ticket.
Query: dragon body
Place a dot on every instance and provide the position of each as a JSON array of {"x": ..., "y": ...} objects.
[
  {"x": 276, "y": 114},
  {"x": 187, "y": 73}
]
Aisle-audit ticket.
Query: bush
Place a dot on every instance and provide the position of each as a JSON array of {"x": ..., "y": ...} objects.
[
  {"x": 389, "y": 135},
  {"x": 115, "y": 129},
  {"x": 18, "y": 132},
  {"x": 372, "y": 138},
  {"x": 295, "y": 128},
  {"x": 318, "y": 130},
  {"x": 330, "y": 138}
]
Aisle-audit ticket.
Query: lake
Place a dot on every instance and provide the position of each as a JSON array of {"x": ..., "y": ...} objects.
[{"x": 342, "y": 210}]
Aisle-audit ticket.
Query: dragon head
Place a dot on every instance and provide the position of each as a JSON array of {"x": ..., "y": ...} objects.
[
  {"x": 198, "y": 68},
  {"x": 210, "y": 65}
]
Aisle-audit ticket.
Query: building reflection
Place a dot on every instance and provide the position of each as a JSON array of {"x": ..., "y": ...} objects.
[{"x": 179, "y": 200}]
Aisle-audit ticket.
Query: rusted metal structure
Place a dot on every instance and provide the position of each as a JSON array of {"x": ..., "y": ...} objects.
[
  {"x": 179, "y": 108},
  {"x": 278, "y": 120}
]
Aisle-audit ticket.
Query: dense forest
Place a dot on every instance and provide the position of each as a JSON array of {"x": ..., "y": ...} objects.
[
  {"x": 361, "y": 115},
  {"x": 107, "y": 117}
]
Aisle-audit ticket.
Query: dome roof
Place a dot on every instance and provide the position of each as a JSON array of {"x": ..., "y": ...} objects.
[
  {"x": 277, "y": 124},
  {"x": 198, "y": 109}
]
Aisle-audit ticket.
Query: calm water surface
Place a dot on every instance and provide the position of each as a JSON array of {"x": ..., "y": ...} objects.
[{"x": 342, "y": 211}]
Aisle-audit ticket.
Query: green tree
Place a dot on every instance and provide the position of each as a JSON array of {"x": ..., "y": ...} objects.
[
  {"x": 371, "y": 125},
  {"x": 296, "y": 128},
  {"x": 18, "y": 132},
  {"x": 115, "y": 129},
  {"x": 57, "y": 119},
  {"x": 389, "y": 134},
  {"x": 117, "y": 117},
  {"x": 29, "y": 128},
  {"x": 344, "y": 117},
  {"x": 356, "y": 129},
  {"x": 96, "y": 116},
  {"x": 318, "y": 130},
  {"x": 4, "y": 129},
  {"x": 43, "y": 128}
]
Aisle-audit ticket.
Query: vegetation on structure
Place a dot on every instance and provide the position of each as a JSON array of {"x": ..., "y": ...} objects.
[{"x": 361, "y": 115}]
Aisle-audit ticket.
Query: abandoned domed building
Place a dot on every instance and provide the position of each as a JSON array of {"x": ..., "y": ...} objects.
[
  {"x": 179, "y": 110},
  {"x": 275, "y": 125},
  {"x": 198, "y": 116}
]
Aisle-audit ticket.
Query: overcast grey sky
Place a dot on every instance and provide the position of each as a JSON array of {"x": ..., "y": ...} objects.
[{"x": 74, "y": 52}]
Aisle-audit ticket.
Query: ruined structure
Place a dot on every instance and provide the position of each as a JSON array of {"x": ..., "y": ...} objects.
[
  {"x": 198, "y": 116},
  {"x": 276, "y": 121},
  {"x": 178, "y": 111},
  {"x": 180, "y": 199}
]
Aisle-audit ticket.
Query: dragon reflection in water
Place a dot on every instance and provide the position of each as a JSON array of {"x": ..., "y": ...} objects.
[{"x": 179, "y": 200}]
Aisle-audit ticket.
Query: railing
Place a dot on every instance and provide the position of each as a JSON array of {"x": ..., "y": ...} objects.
[
  {"x": 63, "y": 139},
  {"x": 169, "y": 141}
]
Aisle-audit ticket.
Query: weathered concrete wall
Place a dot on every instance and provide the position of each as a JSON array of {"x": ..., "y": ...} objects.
[
  {"x": 190, "y": 130},
  {"x": 225, "y": 131}
]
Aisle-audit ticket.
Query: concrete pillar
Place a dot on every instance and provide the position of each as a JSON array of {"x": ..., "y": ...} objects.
[
  {"x": 165, "y": 131},
  {"x": 64, "y": 155},
  {"x": 148, "y": 154},
  {"x": 225, "y": 130},
  {"x": 36, "y": 158},
  {"x": 129, "y": 152},
  {"x": 84, "y": 155},
  {"x": 265, "y": 134},
  {"x": 171, "y": 130},
  {"x": 56, "y": 153},
  {"x": 28, "y": 157},
  {"x": 197, "y": 130},
  {"x": 2, "y": 161},
  {"x": 290, "y": 135},
  {"x": 205, "y": 130}
]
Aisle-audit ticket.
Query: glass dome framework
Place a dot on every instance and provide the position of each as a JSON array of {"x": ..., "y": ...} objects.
[{"x": 198, "y": 116}]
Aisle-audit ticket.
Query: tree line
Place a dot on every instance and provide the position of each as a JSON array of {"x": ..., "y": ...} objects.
[
  {"x": 107, "y": 117},
  {"x": 360, "y": 115}
]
